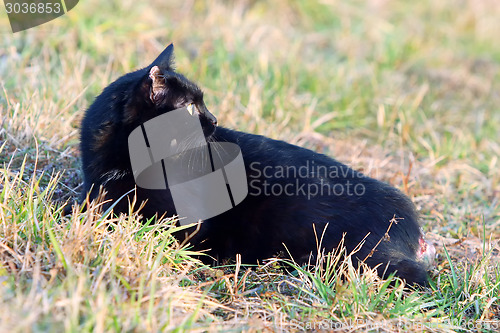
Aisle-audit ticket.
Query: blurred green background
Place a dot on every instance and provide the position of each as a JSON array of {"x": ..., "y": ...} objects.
[{"x": 408, "y": 91}]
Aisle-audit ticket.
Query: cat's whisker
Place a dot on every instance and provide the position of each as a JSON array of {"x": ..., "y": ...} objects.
[
  {"x": 192, "y": 152},
  {"x": 218, "y": 150}
]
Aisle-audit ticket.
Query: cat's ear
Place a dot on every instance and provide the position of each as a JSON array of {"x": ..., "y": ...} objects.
[
  {"x": 158, "y": 84},
  {"x": 165, "y": 60}
]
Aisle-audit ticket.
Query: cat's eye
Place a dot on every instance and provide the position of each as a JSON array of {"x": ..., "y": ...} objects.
[{"x": 191, "y": 109}]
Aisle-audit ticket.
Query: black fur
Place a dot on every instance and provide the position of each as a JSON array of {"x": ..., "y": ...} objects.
[{"x": 259, "y": 226}]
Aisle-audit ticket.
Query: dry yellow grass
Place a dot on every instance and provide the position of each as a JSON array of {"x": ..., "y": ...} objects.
[{"x": 407, "y": 92}]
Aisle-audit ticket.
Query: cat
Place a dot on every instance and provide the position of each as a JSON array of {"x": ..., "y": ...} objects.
[{"x": 284, "y": 211}]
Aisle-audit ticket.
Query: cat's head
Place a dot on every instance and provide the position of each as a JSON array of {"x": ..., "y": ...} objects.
[
  {"x": 156, "y": 89},
  {"x": 161, "y": 90},
  {"x": 130, "y": 101}
]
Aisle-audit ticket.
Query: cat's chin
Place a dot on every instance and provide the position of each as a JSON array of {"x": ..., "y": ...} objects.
[
  {"x": 208, "y": 128},
  {"x": 209, "y": 132}
]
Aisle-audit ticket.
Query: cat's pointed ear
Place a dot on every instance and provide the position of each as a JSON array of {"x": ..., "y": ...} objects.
[
  {"x": 158, "y": 84},
  {"x": 165, "y": 60}
]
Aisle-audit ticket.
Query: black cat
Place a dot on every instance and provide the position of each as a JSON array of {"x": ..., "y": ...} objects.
[{"x": 291, "y": 189}]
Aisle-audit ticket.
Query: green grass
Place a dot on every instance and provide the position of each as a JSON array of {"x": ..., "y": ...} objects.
[{"x": 407, "y": 91}]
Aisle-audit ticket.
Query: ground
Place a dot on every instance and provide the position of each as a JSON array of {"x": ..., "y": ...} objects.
[{"x": 408, "y": 92}]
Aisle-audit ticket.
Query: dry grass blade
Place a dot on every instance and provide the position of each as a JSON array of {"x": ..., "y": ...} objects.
[{"x": 406, "y": 92}]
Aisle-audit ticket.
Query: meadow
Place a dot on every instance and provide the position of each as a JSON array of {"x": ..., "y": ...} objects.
[{"x": 406, "y": 91}]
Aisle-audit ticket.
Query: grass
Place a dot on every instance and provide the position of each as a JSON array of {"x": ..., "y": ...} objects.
[{"x": 406, "y": 91}]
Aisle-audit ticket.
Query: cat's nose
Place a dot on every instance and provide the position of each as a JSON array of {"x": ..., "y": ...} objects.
[{"x": 210, "y": 116}]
